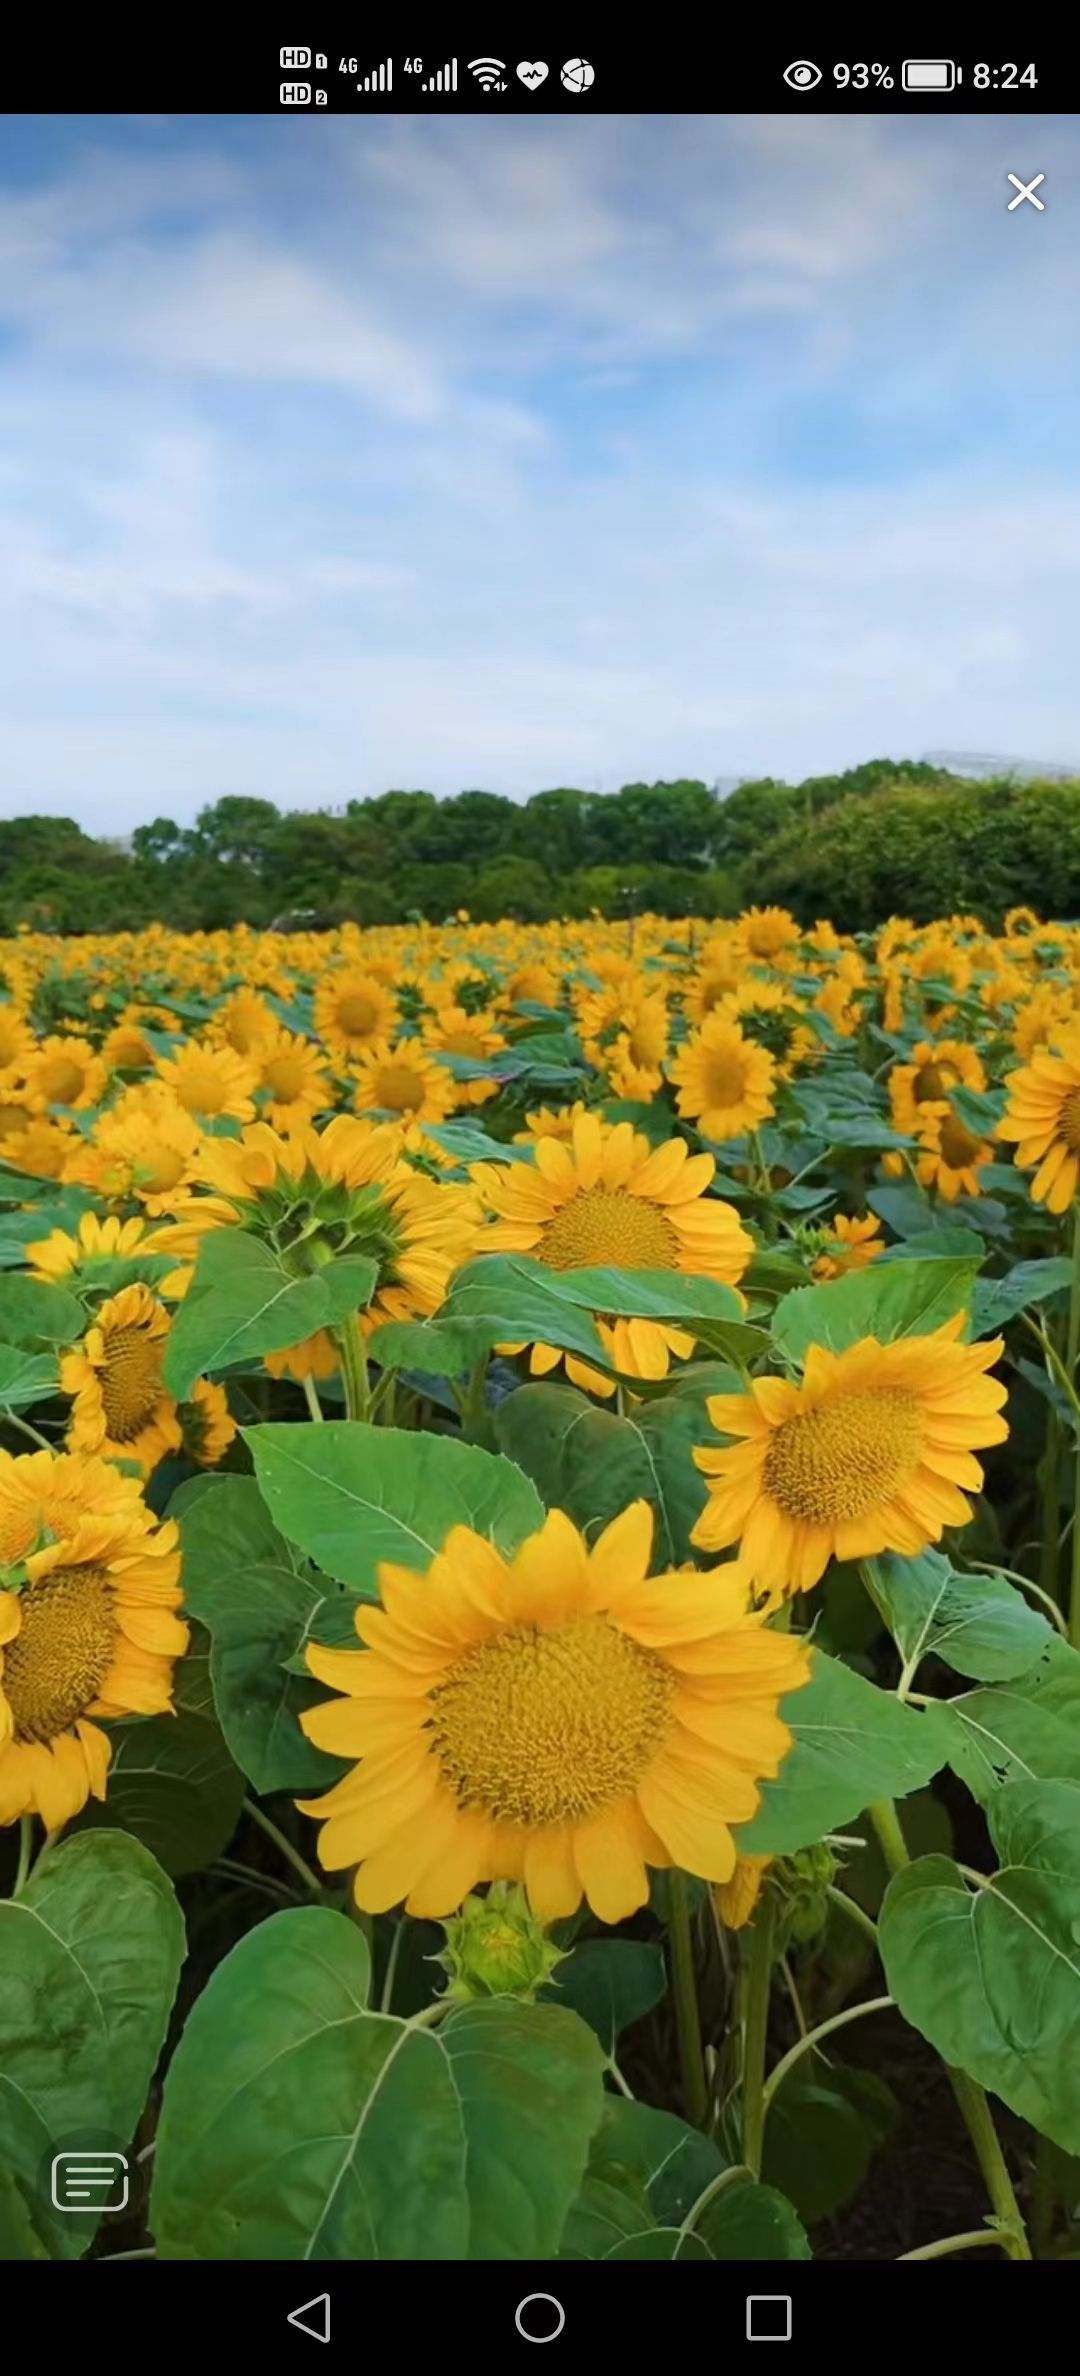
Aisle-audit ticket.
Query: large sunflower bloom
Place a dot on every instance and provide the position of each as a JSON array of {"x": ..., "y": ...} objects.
[
  {"x": 609, "y": 1198},
  {"x": 724, "y": 1080},
  {"x": 937, "y": 1067},
  {"x": 452, "y": 1031},
  {"x": 1043, "y": 1116},
  {"x": 89, "y": 1630},
  {"x": 951, "y": 1157},
  {"x": 294, "y": 1081},
  {"x": 351, "y": 1178},
  {"x": 141, "y": 1148},
  {"x": 121, "y": 1407},
  {"x": 209, "y": 1082},
  {"x": 872, "y": 1452},
  {"x": 352, "y": 1010},
  {"x": 405, "y": 1081},
  {"x": 559, "y": 1718},
  {"x": 64, "y": 1071}
]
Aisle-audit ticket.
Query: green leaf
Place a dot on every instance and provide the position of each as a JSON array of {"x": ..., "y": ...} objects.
[
  {"x": 506, "y": 1299},
  {"x": 32, "y": 1313},
  {"x": 172, "y": 1785},
  {"x": 853, "y": 1743},
  {"x": 242, "y": 1303},
  {"x": 1025, "y": 1730},
  {"x": 979, "y": 1625},
  {"x": 298, "y": 2125},
  {"x": 592, "y": 1463},
  {"x": 26, "y": 1378},
  {"x": 19, "y": 2238},
  {"x": 658, "y": 2154},
  {"x": 893, "y": 1299},
  {"x": 991, "y": 1976},
  {"x": 821, "y": 2136},
  {"x": 752, "y": 2223},
  {"x": 259, "y": 1603},
  {"x": 351, "y": 1495},
  {"x": 997, "y": 1301},
  {"x": 660, "y": 2244},
  {"x": 610, "y": 1983},
  {"x": 90, "y": 1955}
]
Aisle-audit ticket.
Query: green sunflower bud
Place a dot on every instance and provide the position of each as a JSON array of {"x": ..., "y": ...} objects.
[{"x": 496, "y": 1947}]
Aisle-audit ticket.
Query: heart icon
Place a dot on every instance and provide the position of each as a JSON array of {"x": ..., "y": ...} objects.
[{"x": 533, "y": 72}]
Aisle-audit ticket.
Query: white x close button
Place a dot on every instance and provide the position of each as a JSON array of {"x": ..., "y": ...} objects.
[{"x": 1026, "y": 190}]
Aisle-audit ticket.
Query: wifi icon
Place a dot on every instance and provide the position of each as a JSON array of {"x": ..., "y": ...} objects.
[{"x": 489, "y": 72}]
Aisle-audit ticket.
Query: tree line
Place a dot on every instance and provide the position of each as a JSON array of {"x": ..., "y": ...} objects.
[{"x": 892, "y": 836}]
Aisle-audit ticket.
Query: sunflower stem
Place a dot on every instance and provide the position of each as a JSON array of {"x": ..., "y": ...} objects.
[
  {"x": 26, "y": 1851},
  {"x": 977, "y": 2116},
  {"x": 354, "y": 1369},
  {"x": 285, "y": 1847},
  {"x": 684, "y": 1987},
  {"x": 943, "y": 2245},
  {"x": 1072, "y": 1349},
  {"x": 311, "y": 1396},
  {"x": 757, "y": 1983},
  {"x": 24, "y": 1428},
  {"x": 813, "y": 2038}
]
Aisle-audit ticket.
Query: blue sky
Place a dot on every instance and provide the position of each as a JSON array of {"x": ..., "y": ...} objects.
[{"x": 343, "y": 454}]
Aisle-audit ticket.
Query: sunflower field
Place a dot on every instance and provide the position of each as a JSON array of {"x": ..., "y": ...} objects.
[{"x": 540, "y": 1591}]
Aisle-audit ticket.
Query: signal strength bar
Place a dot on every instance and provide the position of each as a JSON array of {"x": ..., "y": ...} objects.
[
  {"x": 444, "y": 80},
  {"x": 382, "y": 79}
]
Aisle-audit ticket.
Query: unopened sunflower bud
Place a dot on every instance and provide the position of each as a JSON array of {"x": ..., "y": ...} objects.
[{"x": 496, "y": 1947}]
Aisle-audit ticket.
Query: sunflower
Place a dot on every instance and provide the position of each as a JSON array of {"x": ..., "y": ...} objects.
[
  {"x": 43, "y": 1146},
  {"x": 140, "y": 1148},
  {"x": 768, "y": 933},
  {"x": 951, "y": 1156},
  {"x": 1043, "y": 1116},
  {"x": 555, "y": 1122},
  {"x": 724, "y": 1081},
  {"x": 207, "y": 1426},
  {"x": 120, "y": 1405},
  {"x": 126, "y": 1047},
  {"x": 15, "y": 1039},
  {"x": 314, "y": 1357},
  {"x": 872, "y": 1452},
  {"x": 558, "y": 1718},
  {"x": 850, "y": 1245},
  {"x": 722, "y": 967},
  {"x": 404, "y": 1080},
  {"x": 88, "y": 1628},
  {"x": 1040, "y": 1018},
  {"x": 243, "y": 1022},
  {"x": 531, "y": 984},
  {"x": 609, "y": 1198},
  {"x": 292, "y": 1076},
  {"x": 63, "y": 1256},
  {"x": 209, "y": 1082},
  {"x": 347, "y": 1186},
  {"x": 452, "y": 1031},
  {"x": 353, "y": 1010},
  {"x": 64, "y": 1071},
  {"x": 937, "y": 1067}
]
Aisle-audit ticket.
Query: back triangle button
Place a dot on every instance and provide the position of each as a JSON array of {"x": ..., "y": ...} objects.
[{"x": 313, "y": 2318}]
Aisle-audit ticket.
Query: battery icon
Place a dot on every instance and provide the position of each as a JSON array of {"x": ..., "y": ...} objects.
[{"x": 929, "y": 74}]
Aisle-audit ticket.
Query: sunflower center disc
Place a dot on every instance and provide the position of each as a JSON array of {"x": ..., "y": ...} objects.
[
  {"x": 959, "y": 1146},
  {"x": 1070, "y": 1121},
  {"x": 355, "y": 1013},
  {"x": 61, "y": 1080},
  {"x": 933, "y": 1082},
  {"x": 58, "y": 1661},
  {"x": 540, "y": 1727},
  {"x": 398, "y": 1088},
  {"x": 130, "y": 1382},
  {"x": 725, "y": 1080},
  {"x": 835, "y": 1462},
  {"x": 604, "y": 1225}
]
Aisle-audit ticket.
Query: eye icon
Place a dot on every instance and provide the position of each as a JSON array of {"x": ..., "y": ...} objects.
[{"x": 802, "y": 76}]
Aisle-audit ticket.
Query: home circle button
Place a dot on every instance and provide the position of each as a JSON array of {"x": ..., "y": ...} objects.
[{"x": 540, "y": 2318}]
